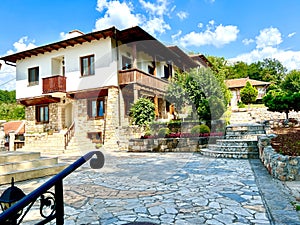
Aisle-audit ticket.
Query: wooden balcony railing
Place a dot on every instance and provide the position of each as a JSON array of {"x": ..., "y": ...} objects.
[
  {"x": 142, "y": 78},
  {"x": 53, "y": 84}
]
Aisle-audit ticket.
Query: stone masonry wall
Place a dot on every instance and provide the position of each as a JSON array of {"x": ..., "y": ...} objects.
[
  {"x": 166, "y": 145},
  {"x": 284, "y": 168},
  {"x": 112, "y": 120},
  {"x": 275, "y": 118},
  {"x": 82, "y": 123}
]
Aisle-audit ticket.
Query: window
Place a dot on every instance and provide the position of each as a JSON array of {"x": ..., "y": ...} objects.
[
  {"x": 42, "y": 113},
  {"x": 33, "y": 76},
  {"x": 96, "y": 108},
  {"x": 151, "y": 70},
  {"x": 87, "y": 65},
  {"x": 126, "y": 63},
  {"x": 167, "y": 71}
]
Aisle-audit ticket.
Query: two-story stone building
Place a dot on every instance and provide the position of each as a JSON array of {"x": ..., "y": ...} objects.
[{"x": 83, "y": 87}]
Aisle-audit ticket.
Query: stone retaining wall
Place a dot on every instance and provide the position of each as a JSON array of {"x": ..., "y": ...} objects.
[
  {"x": 284, "y": 168},
  {"x": 276, "y": 119},
  {"x": 167, "y": 144}
]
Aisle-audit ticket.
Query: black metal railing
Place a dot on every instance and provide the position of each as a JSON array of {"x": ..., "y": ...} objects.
[{"x": 52, "y": 201}]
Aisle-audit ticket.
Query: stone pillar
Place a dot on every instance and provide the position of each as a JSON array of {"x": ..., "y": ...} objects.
[
  {"x": 111, "y": 139},
  {"x": 12, "y": 141}
]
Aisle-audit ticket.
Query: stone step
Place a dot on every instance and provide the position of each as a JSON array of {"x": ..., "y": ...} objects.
[
  {"x": 42, "y": 148},
  {"x": 23, "y": 165},
  {"x": 17, "y": 156},
  {"x": 233, "y": 148},
  {"x": 234, "y": 155},
  {"x": 27, "y": 174},
  {"x": 236, "y": 142}
]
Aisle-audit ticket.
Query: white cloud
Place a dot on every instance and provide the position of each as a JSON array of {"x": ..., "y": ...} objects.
[
  {"x": 216, "y": 36},
  {"x": 22, "y": 44},
  {"x": 69, "y": 35},
  {"x": 182, "y": 15},
  {"x": 200, "y": 25},
  {"x": 289, "y": 59},
  {"x": 268, "y": 37},
  {"x": 123, "y": 15},
  {"x": 291, "y": 34},
  {"x": 7, "y": 77},
  {"x": 267, "y": 42},
  {"x": 117, "y": 14},
  {"x": 175, "y": 36},
  {"x": 247, "y": 41},
  {"x": 156, "y": 25},
  {"x": 159, "y": 8},
  {"x": 8, "y": 73},
  {"x": 101, "y": 4}
]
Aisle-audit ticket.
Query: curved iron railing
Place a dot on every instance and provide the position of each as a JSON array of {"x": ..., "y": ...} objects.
[{"x": 51, "y": 203}]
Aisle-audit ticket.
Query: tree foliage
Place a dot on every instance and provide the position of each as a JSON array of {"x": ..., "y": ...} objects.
[
  {"x": 286, "y": 97},
  {"x": 248, "y": 93},
  {"x": 142, "y": 112},
  {"x": 9, "y": 109},
  {"x": 291, "y": 83},
  {"x": 7, "y": 96},
  {"x": 269, "y": 70},
  {"x": 202, "y": 89}
]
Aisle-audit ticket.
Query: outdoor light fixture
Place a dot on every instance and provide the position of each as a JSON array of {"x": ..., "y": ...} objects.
[{"x": 9, "y": 197}]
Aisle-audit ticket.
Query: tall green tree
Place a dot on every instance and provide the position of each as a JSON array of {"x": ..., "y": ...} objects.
[
  {"x": 291, "y": 82},
  {"x": 248, "y": 93},
  {"x": 201, "y": 88}
]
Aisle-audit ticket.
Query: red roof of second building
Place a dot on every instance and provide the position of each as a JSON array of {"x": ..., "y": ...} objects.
[
  {"x": 241, "y": 82},
  {"x": 16, "y": 126}
]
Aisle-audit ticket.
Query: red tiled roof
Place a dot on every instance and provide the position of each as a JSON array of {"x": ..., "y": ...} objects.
[
  {"x": 241, "y": 82},
  {"x": 17, "y": 126}
]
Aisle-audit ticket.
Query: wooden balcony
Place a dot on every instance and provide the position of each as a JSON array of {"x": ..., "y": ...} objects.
[
  {"x": 139, "y": 77},
  {"x": 53, "y": 84}
]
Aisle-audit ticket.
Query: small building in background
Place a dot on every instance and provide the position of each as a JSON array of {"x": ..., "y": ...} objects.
[
  {"x": 235, "y": 86},
  {"x": 14, "y": 135}
]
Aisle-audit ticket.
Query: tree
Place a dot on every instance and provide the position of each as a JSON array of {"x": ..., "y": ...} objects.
[
  {"x": 202, "y": 89},
  {"x": 248, "y": 93},
  {"x": 176, "y": 92},
  {"x": 142, "y": 112},
  {"x": 291, "y": 82},
  {"x": 278, "y": 101},
  {"x": 11, "y": 111}
]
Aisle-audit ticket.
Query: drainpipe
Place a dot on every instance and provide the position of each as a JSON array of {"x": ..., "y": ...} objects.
[{"x": 10, "y": 64}]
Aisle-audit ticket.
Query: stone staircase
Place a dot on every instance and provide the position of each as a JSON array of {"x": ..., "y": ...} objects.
[
  {"x": 79, "y": 144},
  {"x": 240, "y": 142},
  {"x": 239, "y": 117},
  {"x": 27, "y": 165},
  {"x": 55, "y": 144}
]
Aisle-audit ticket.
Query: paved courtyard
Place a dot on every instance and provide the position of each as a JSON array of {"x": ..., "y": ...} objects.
[{"x": 172, "y": 188}]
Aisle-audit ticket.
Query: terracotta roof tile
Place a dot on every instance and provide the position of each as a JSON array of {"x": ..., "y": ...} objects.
[
  {"x": 241, "y": 82},
  {"x": 18, "y": 126}
]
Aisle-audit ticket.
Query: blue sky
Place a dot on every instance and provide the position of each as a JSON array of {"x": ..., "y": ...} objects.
[{"x": 245, "y": 30}]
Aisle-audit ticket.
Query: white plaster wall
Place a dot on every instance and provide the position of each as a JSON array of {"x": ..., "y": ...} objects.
[{"x": 105, "y": 68}]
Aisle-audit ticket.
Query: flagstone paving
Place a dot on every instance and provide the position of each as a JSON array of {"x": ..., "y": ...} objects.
[{"x": 172, "y": 188}]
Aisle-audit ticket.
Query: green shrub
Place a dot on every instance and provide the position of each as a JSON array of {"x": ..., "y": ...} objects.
[
  {"x": 200, "y": 129},
  {"x": 163, "y": 132},
  {"x": 241, "y": 105},
  {"x": 142, "y": 112},
  {"x": 148, "y": 133}
]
